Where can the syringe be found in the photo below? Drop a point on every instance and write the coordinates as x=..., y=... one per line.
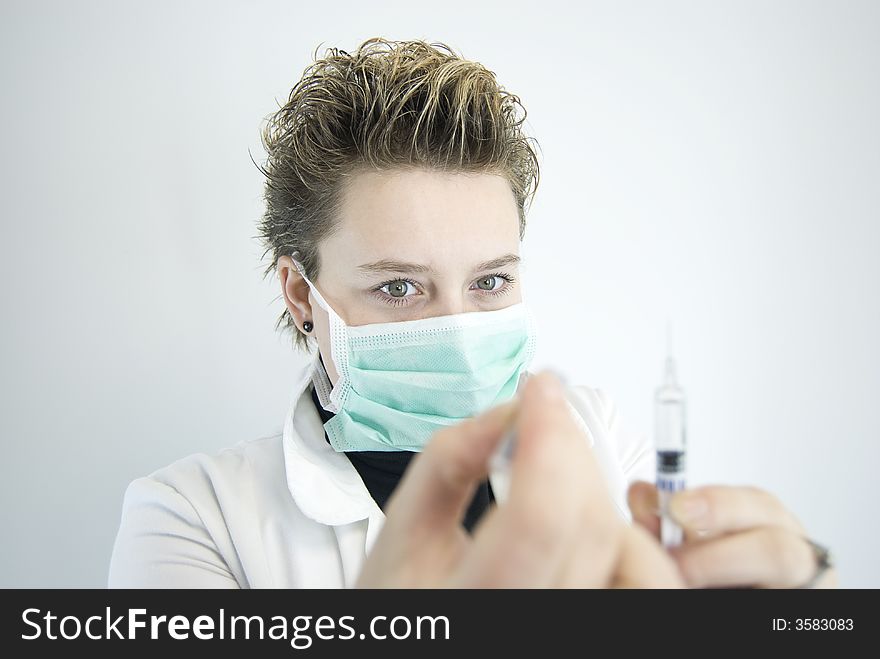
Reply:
x=669, y=435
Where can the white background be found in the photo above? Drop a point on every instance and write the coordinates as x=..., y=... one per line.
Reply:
x=715, y=163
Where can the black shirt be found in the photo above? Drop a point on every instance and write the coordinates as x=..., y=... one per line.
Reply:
x=382, y=470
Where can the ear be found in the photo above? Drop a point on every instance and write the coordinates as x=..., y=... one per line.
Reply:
x=295, y=290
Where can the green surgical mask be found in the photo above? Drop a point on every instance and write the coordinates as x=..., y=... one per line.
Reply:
x=401, y=382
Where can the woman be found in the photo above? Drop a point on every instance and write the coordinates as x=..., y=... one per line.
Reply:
x=397, y=186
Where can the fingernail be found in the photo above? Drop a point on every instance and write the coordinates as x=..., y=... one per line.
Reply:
x=503, y=456
x=549, y=385
x=688, y=508
x=559, y=375
x=644, y=500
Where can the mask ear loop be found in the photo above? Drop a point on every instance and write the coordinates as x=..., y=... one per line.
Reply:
x=532, y=340
x=338, y=345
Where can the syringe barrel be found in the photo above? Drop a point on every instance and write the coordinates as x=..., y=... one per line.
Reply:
x=670, y=443
x=669, y=418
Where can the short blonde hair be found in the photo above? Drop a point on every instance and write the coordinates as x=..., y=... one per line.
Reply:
x=389, y=105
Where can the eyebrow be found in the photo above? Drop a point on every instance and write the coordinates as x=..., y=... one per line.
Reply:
x=389, y=265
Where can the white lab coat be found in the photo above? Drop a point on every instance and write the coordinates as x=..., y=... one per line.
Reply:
x=290, y=512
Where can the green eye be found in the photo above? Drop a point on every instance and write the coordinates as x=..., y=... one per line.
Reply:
x=397, y=288
x=487, y=283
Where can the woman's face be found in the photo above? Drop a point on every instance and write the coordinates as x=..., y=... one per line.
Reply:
x=410, y=245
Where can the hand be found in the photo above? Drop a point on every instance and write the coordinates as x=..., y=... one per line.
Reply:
x=558, y=527
x=733, y=536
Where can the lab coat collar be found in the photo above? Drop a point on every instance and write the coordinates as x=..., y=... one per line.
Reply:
x=324, y=484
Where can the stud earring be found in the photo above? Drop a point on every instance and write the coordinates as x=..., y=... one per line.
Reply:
x=307, y=326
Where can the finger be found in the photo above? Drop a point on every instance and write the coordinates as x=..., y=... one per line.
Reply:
x=716, y=509
x=643, y=563
x=644, y=505
x=439, y=484
x=550, y=444
x=524, y=542
x=596, y=545
x=595, y=551
x=767, y=557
